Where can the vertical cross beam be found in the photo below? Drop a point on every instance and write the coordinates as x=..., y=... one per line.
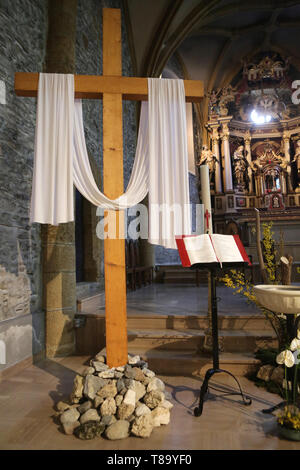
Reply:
x=114, y=248
x=112, y=87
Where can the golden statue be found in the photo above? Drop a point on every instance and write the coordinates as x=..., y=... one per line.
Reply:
x=208, y=158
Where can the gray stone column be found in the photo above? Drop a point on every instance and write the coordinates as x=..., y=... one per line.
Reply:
x=59, y=267
x=227, y=159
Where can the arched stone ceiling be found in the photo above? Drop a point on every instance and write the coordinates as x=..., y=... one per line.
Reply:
x=210, y=37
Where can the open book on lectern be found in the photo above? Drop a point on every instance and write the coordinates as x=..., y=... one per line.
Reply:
x=211, y=248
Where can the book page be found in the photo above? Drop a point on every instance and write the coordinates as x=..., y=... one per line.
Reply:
x=226, y=248
x=200, y=249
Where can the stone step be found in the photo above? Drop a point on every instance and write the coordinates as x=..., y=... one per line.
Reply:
x=193, y=340
x=164, y=339
x=178, y=273
x=185, y=363
x=182, y=322
x=90, y=304
x=183, y=277
x=171, y=267
x=189, y=281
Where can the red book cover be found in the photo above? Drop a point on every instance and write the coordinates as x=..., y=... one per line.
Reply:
x=211, y=248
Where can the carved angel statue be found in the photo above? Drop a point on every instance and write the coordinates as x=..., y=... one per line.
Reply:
x=213, y=101
x=297, y=156
x=240, y=166
x=208, y=158
x=227, y=96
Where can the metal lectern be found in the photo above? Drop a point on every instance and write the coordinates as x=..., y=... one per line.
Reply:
x=213, y=268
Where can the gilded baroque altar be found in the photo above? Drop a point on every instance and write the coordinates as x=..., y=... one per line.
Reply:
x=253, y=132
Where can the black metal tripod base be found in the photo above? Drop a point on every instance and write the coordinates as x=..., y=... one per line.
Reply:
x=198, y=411
x=280, y=405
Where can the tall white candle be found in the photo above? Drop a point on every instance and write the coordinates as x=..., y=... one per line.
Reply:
x=205, y=196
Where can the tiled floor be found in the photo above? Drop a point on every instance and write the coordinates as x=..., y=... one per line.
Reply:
x=27, y=406
x=172, y=299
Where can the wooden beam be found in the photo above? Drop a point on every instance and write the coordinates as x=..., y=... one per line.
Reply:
x=114, y=248
x=93, y=87
x=112, y=88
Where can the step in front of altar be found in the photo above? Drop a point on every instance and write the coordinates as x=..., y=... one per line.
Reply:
x=182, y=322
x=163, y=338
x=186, y=363
x=193, y=340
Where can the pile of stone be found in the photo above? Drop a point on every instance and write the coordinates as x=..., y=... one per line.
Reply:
x=269, y=373
x=115, y=402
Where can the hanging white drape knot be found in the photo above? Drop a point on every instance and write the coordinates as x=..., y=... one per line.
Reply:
x=160, y=166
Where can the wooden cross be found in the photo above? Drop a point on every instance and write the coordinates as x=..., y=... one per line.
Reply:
x=112, y=87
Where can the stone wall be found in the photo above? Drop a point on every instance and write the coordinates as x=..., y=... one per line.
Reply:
x=22, y=48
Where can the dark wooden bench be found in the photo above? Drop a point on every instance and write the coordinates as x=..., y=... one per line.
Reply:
x=137, y=275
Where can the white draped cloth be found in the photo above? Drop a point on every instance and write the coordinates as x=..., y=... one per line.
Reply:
x=160, y=167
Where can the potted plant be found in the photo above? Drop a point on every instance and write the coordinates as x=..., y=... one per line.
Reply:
x=289, y=419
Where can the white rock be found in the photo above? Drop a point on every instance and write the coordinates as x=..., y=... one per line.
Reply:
x=77, y=389
x=84, y=407
x=133, y=359
x=107, y=420
x=88, y=371
x=138, y=388
x=154, y=398
x=142, y=426
x=62, y=406
x=277, y=375
x=148, y=373
x=125, y=410
x=108, y=407
x=99, y=366
x=107, y=374
x=89, y=415
x=167, y=404
x=100, y=357
x=92, y=385
x=117, y=430
x=69, y=416
x=69, y=427
x=130, y=397
x=118, y=375
x=120, y=369
x=160, y=416
x=118, y=400
x=142, y=410
x=156, y=384
x=146, y=381
x=265, y=372
x=98, y=401
x=108, y=391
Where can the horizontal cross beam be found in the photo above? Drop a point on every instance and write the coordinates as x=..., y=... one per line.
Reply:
x=93, y=87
